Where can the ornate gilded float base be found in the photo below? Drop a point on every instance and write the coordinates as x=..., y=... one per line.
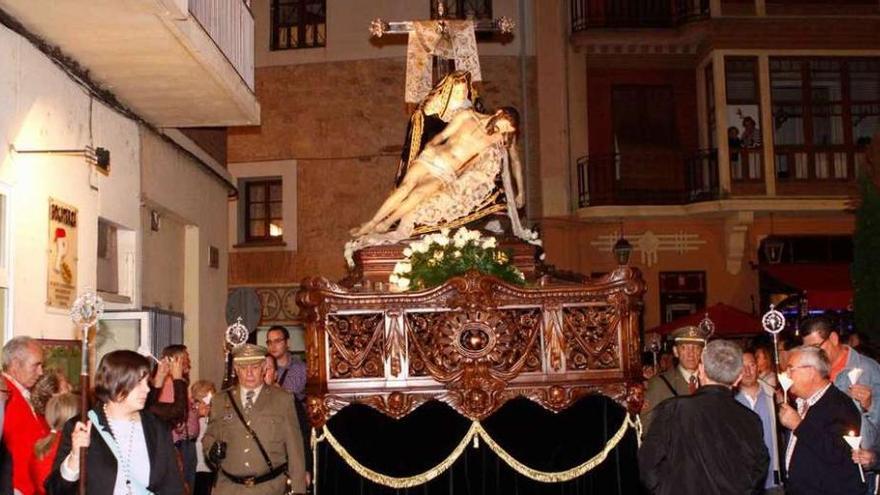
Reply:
x=474, y=343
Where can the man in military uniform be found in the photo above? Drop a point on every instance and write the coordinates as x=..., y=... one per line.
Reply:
x=253, y=435
x=679, y=380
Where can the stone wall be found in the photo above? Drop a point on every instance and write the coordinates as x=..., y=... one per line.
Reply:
x=344, y=123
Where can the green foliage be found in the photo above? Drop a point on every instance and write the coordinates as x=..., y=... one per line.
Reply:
x=866, y=261
x=436, y=258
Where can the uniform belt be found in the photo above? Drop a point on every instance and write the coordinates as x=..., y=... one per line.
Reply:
x=256, y=480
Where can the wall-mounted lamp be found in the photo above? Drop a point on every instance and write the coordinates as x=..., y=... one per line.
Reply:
x=99, y=157
x=773, y=246
x=622, y=249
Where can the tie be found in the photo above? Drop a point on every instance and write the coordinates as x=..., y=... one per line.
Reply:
x=692, y=384
x=248, y=400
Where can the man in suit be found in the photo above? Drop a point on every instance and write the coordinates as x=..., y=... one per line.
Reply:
x=679, y=380
x=706, y=442
x=253, y=434
x=818, y=459
x=820, y=332
x=22, y=426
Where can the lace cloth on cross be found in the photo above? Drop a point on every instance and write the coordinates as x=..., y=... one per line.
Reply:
x=426, y=41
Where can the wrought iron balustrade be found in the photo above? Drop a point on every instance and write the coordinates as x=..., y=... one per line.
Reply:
x=649, y=178
x=592, y=14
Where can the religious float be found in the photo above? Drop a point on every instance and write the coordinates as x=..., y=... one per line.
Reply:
x=451, y=358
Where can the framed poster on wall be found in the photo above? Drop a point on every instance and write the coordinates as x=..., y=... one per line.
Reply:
x=61, y=288
x=63, y=355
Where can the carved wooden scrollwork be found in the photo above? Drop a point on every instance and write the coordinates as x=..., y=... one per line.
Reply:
x=356, y=345
x=474, y=342
x=591, y=333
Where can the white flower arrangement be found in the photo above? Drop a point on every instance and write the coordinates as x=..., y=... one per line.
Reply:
x=434, y=258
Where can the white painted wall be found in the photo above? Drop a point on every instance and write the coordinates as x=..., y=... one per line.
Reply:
x=42, y=108
x=180, y=187
x=348, y=36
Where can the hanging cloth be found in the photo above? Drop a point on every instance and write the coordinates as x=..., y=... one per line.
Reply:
x=426, y=41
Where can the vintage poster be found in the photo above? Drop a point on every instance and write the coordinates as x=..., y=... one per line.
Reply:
x=62, y=254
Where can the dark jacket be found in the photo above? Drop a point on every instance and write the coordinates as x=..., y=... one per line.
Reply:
x=704, y=443
x=165, y=477
x=822, y=460
x=172, y=413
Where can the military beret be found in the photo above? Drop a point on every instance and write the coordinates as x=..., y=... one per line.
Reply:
x=689, y=334
x=248, y=353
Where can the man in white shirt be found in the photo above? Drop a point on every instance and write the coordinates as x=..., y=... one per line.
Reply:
x=758, y=396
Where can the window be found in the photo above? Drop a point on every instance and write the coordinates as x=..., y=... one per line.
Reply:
x=824, y=112
x=263, y=218
x=108, y=263
x=708, y=76
x=462, y=9
x=681, y=294
x=298, y=24
x=744, y=138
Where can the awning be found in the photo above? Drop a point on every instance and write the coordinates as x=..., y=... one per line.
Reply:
x=827, y=286
x=729, y=322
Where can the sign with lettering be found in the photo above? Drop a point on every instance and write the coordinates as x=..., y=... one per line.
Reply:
x=61, y=289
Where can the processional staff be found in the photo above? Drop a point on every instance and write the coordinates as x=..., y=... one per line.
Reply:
x=85, y=313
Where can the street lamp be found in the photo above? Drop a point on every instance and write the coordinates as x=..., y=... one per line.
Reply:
x=622, y=249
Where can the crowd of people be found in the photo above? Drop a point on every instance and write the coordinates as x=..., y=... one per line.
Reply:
x=719, y=420
x=716, y=417
x=150, y=428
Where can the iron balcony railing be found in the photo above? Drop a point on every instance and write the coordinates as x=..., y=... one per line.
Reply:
x=631, y=178
x=597, y=14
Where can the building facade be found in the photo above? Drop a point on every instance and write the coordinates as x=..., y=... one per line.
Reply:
x=710, y=134
x=333, y=125
x=113, y=170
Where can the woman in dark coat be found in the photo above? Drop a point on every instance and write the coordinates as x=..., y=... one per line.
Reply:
x=129, y=450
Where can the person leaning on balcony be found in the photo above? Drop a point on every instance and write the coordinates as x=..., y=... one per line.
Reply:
x=680, y=380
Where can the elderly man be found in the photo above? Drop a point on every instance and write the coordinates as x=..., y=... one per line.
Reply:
x=820, y=332
x=758, y=397
x=22, y=426
x=706, y=442
x=252, y=435
x=817, y=458
x=680, y=380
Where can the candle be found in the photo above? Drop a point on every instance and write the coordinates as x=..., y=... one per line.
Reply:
x=854, y=375
x=854, y=442
x=785, y=381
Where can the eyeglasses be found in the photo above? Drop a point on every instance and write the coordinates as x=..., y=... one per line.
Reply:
x=820, y=344
x=792, y=368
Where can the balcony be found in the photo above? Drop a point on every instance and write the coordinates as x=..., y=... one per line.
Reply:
x=599, y=14
x=647, y=178
x=671, y=178
x=176, y=63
